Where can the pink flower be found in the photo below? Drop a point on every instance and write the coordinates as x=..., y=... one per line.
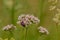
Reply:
x=25, y=20
x=9, y=27
x=43, y=30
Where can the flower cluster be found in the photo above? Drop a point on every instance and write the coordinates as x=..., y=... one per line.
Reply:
x=57, y=17
x=43, y=30
x=54, y=1
x=27, y=19
x=53, y=6
x=9, y=27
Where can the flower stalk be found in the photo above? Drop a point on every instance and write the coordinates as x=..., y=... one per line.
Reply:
x=25, y=20
x=12, y=12
x=26, y=33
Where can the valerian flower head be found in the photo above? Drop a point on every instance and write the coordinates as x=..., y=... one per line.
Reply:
x=9, y=27
x=43, y=30
x=21, y=17
x=27, y=19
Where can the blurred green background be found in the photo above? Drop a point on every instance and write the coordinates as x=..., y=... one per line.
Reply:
x=11, y=9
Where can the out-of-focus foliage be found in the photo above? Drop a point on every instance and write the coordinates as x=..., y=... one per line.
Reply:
x=45, y=10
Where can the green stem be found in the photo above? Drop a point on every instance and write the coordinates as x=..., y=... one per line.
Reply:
x=57, y=30
x=57, y=27
x=12, y=12
x=26, y=34
x=41, y=4
x=8, y=38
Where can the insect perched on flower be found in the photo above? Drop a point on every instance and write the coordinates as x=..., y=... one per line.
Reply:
x=27, y=19
x=9, y=27
x=43, y=30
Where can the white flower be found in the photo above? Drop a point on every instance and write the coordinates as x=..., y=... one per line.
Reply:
x=56, y=1
x=9, y=27
x=56, y=18
x=36, y=20
x=27, y=19
x=50, y=0
x=43, y=30
x=53, y=1
x=52, y=8
x=58, y=10
x=21, y=17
